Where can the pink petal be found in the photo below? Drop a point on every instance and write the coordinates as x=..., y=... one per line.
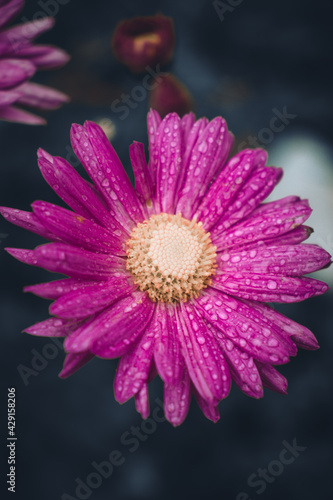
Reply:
x=43, y=56
x=167, y=353
x=263, y=226
x=303, y=337
x=192, y=137
x=169, y=165
x=142, y=401
x=9, y=10
x=55, y=289
x=281, y=260
x=77, y=230
x=187, y=122
x=40, y=96
x=74, y=362
x=13, y=39
x=12, y=114
x=143, y=179
x=244, y=371
x=15, y=71
x=76, y=192
x=26, y=220
x=98, y=157
x=153, y=122
x=177, y=400
x=65, y=259
x=89, y=300
x=256, y=189
x=293, y=237
x=210, y=410
x=52, y=327
x=269, y=287
x=123, y=322
x=228, y=184
x=202, y=165
x=134, y=367
x=244, y=327
x=205, y=363
x=272, y=379
x=8, y=97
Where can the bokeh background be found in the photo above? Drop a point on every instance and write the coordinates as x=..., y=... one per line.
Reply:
x=262, y=57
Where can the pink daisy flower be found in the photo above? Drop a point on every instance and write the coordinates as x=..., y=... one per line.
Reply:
x=173, y=276
x=20, y=58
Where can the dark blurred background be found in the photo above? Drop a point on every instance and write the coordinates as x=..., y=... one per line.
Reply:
x=262, y=57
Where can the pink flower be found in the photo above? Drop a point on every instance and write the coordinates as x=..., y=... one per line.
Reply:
x=144, y=41
x=20, y=58
x=173, y=276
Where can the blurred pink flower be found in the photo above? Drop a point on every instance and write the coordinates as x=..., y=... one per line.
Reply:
x=173, y=276
x=20, y=58
x=144, y=41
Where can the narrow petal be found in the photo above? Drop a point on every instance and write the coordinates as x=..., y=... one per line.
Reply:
x=15, y=71
x=52, y=327
x=54, y=289
x=98, y=157
x=293, y=237
x=281, y=260
x=143, y=179
x=26, y=220
x=153, y=122
x=303, y=337
x=8, y=97
x=77, y=230
x=89, y=300
x=65, y=259
x=210, y=410
x=244, y=327
x=192, y=137
x=269, y=287
x=122, y=322
x=13, y=39
x=43, y=56
x=177, y=400
x=204, y=360
x=13, y=114
x=9, y=10
x=272, y=379
x=228, y=184
x=134, y=367
x=74, y=362
x=167, y=353
x=187, y=122
x=40, y=96
x=243, y=369
x=169, y=166
x=76, y=192
x=142, y=401
x=255, y=190
x=264, y=226
x=201, y=168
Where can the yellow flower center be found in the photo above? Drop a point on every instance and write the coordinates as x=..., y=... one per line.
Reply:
x=171, y=258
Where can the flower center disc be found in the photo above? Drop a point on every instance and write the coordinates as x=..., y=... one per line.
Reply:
x=171, y=258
